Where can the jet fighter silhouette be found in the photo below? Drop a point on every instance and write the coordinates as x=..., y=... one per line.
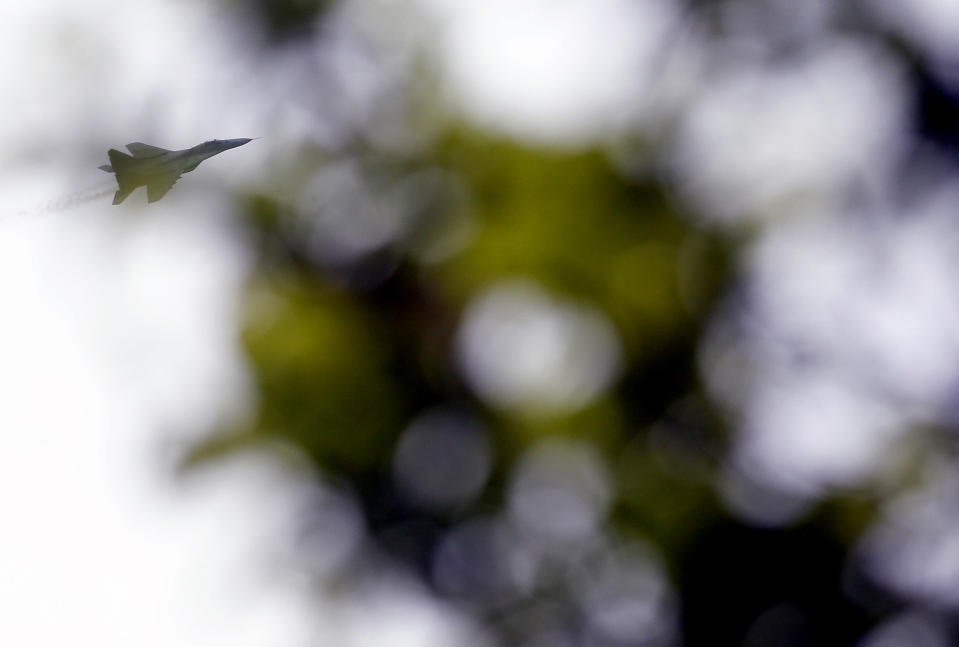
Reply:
x=157, y=168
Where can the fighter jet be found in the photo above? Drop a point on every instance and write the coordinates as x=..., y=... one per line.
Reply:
x=157, y=168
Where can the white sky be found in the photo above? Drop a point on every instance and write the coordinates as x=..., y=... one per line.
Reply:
x=764, y=140
x=932, y=25
x=560, y=73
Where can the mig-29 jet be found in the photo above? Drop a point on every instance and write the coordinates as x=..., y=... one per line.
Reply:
x=157, y=168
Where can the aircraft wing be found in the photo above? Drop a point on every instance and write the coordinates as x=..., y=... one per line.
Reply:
x=158, y=186
x=139, y=149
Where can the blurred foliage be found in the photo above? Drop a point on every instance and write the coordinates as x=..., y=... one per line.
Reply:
x=330, y=354
x=347, y=351
x=573, y=224
x=346, y=355
x=284, y=20
x=322, y=374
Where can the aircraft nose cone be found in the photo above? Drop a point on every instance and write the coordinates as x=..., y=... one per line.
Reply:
x=233, y=143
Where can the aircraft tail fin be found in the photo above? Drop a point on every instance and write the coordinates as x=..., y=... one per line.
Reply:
x=120, y=161
x=122, y=165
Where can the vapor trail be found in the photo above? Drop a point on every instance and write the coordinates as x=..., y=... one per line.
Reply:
x=73, y=199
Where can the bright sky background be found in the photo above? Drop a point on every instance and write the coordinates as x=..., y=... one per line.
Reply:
x=556, y=73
